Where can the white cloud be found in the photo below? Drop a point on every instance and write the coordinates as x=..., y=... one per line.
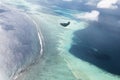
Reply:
x=67, y=0
x=92, y=2
x=92, y=16
x=107, y=4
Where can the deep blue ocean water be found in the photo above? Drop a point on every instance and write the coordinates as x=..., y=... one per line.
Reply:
x=99, y=44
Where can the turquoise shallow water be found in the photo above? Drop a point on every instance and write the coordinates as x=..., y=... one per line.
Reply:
x=56, y=62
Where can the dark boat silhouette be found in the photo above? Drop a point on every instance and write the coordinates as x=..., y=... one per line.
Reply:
x=65, y=24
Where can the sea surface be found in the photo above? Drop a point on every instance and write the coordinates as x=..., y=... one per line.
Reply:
x=34, y=46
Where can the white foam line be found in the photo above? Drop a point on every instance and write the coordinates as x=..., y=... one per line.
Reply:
x=40, y=36
x=41, y=51
x=42, y=43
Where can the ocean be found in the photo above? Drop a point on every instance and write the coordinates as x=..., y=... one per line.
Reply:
x=87, y=49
